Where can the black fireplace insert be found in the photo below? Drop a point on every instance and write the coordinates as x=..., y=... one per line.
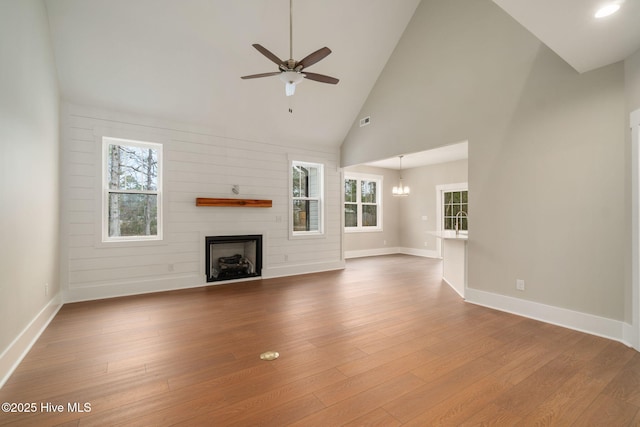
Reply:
x=233, y=257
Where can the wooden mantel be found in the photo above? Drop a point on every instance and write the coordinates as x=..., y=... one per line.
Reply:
x=248, y=203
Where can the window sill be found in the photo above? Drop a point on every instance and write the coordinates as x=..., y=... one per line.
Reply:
x=130, y=243
x=307, y=235
x=362, y=230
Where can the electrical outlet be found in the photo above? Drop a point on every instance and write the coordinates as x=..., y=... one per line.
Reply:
x=384, y=242
x=46, y=289
x=520, y=284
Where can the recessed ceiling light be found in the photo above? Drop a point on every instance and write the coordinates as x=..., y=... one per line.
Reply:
x=607, y=10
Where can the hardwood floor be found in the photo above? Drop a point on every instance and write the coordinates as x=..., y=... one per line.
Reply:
x=382, y=343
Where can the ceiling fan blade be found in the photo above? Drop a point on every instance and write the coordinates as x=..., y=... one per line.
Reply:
x=314, y=57
x=263, y=50
x=320, y=78
x=255, y=76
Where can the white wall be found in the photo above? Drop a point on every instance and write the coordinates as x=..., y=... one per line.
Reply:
x=632, y=81
x=197, y=163
x=29, y=169
x=546, y=151
x=415, y=232
x=632, y=92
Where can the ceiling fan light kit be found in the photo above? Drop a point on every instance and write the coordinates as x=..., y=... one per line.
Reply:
x=290, y=71
x=291, y=79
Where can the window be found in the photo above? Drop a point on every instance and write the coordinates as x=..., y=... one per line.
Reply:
x=362, y=203
x=132, y=190
x=456, y=210
x=306, y=195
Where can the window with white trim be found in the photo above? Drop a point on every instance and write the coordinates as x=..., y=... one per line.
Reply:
x=362, y=202
x=455, y=210
x=132, y=190
x=306, y=198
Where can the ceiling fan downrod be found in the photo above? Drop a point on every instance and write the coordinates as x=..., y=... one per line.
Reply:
x=290, y=33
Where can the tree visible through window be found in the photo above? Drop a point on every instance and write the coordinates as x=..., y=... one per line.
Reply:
x=362, y=202
x=132, y=190
x=456, y=210
x=307, y=197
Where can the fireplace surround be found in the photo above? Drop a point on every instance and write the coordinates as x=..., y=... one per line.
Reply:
x=233, y=257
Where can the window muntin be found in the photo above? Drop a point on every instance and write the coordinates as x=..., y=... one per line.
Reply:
x=350, y=202
x=455, y=205
x=306, y=196
x=132, y=188
x=362, y=203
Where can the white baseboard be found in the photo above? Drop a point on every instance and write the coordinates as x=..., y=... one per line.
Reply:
x=426, y=253
x=391, y=251
x=595, y=325
x=20, y=346
x=453, y=287
x=629, y=336
x=133, y=287
x=294, y=270
x=371, y=252
x=145, y=286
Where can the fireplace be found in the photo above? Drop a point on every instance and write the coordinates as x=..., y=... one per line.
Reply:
x=233, y=257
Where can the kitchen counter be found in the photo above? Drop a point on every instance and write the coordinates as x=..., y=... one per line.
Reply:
x=449, y=234
x=454, y=259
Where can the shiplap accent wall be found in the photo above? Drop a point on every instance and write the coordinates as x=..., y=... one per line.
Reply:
x=197, y=163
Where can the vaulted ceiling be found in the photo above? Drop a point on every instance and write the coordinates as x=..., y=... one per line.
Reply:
x=570, y=29
x=181, y=60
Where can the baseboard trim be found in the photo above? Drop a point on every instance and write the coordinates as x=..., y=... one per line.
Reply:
x=174, y=283
x=371, y=252
x=629, y=336
x=296, y=270
x=452, y=287
x=137, y=287
x=20, y=346
x=426, y=253
x=594, y=325
x=391, y=251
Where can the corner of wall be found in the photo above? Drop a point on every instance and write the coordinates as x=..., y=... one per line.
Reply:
x=20, y=346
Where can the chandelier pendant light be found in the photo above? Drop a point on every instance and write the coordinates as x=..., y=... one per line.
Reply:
x=401, y=189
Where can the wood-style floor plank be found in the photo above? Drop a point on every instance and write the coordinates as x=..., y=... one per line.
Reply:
x=382, y=343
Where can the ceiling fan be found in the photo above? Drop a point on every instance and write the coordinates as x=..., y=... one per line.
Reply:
x=291, y=71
